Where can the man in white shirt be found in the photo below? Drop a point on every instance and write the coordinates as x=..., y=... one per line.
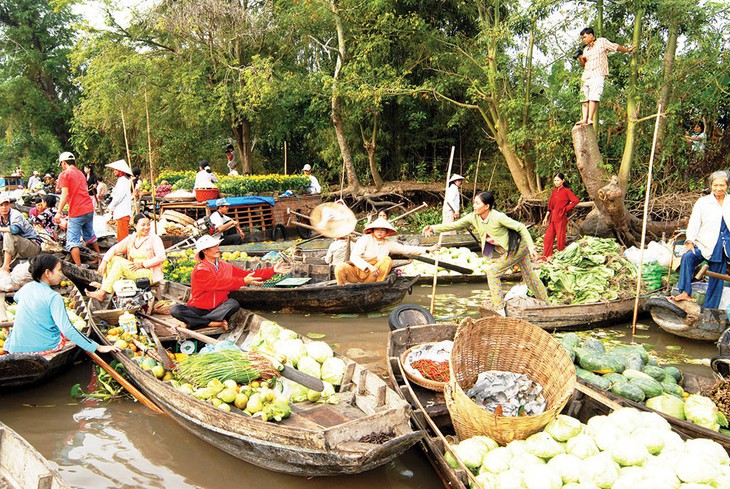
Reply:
x=452, y=201
x=314, y=186
x=34, y=180
x=230, y=232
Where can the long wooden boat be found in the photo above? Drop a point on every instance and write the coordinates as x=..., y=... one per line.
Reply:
x=23, y=467
x=576, y=316
x=316, y=440
x=24, y=369
x=690, y=321
x=429, y=407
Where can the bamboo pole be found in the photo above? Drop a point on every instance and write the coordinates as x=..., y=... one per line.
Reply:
x=149, y=154
x=285, y=162
x=126, y=140
x=441, y=237
x=476, y=175
x=645, y=219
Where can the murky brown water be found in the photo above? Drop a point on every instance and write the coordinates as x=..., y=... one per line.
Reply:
x=123, y=445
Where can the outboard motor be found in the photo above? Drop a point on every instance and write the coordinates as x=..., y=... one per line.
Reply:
x=130, y=294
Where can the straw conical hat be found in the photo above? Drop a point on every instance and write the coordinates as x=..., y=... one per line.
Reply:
x=121, y=166
x=333, y=220
x=380, y=223
x=455, y=177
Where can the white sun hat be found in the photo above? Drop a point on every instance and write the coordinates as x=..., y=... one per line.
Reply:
x=121, y=166
x=455, y=177
x=205, y=242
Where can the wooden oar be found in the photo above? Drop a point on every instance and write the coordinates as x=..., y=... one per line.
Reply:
x=161, y=351
x=442, y=264
x=290, y=373
x=136, y=393
x=704, y=271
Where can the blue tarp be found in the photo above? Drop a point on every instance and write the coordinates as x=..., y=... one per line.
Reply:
x=252, y=200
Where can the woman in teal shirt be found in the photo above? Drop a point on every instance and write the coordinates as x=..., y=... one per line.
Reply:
x=41, y=321
x=510, y=237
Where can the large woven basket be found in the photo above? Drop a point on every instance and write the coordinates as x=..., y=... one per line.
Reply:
x=203, y=194
x=511, y=345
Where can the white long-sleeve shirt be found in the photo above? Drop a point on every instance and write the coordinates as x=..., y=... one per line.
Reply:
x=452, y=197
x=121, y=204
x=203, y=179
x=703, y=228
x=314, y=186
x=368, y=247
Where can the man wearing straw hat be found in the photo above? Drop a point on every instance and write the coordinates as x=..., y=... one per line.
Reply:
x=370, y=260
x=211, y=282
x=452, y=201
x=121, y=205
x=75, y=193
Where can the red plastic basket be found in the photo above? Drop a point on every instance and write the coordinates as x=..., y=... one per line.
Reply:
x=203, y=194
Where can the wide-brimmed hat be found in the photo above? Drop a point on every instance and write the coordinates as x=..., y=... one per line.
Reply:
x=36, y=172
x=307, y=167
x=455, y=177
x=333, y=220
x=380, y=223
x=120, y=165
x=4, y=197
x=66, y=156
x=221, y=203
x=47, y=175
x=205, y=242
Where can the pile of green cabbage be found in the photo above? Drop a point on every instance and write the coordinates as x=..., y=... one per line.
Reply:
x=628, y=449
x=315, y=358
x=589, y=270
x=458, y=256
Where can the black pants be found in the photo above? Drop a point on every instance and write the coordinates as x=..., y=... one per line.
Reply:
x=231, y=237
x=197, y=318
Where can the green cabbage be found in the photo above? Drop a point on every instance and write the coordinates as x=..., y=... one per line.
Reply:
x=653, y=421
x=319, y=350
x=287, y=334
x=333, y=369
x=509, y=479
x=599, y=470
x=541, y=477
x=568, y=466
x=471, y=452
x=487, y=480
x=582, y=446
x=497, y=460
x=629, y=452
x=628, y=481
x=563, y=428
x=626, y=419
x=648, y=438
x=524, y=460
x=298, y=393
x=310, y=366
x=707, y=449
x=702, y=411
x=292, y=349
x=543, y=445
x=694, y=468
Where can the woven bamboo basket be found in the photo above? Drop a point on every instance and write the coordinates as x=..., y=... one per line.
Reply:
x=511, y=345
x=203, y=194
x=417, y=379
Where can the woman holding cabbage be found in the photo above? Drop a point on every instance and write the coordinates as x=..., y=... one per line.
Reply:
x=708, y=238
x=500, y=233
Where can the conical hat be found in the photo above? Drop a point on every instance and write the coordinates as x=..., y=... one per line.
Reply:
x=455, y=177
x=380, y=223
x=121, y=166
x=333, y=220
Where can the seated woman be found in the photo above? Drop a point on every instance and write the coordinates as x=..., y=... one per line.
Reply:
x=46, y=208
x=708, y=238
x=497, y=230
x=144, y=253
x=370, y=260
x=41, y=322
x=211, y=282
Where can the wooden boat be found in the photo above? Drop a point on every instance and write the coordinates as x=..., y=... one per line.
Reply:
x=23, y=369
x=429, y=407
x=687, y=319
x=576, y=316
x=316, y=440
x=23, y=467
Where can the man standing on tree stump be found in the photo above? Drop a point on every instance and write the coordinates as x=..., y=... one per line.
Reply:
x=594, y=60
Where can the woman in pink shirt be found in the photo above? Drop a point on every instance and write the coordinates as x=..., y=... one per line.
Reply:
x=562, y=200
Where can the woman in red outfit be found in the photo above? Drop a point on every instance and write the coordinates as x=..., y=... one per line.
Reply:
x=211, y=282
x=562, y=200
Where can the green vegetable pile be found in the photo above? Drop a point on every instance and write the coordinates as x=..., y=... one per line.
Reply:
x=628, y=449
x=589, y=270
x=240, y=185
x=628, y=371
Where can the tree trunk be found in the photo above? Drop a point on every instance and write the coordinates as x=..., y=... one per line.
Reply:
x=632, y=109
x=242, y=135
x=352, y=180
x=370, y=146
x=667, y=72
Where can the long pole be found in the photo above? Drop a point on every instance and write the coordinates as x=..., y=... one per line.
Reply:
x=149, y=154
x=476, y=175
x=646, y=218
x=285, y=173
x=126, y=140
x=441, y=237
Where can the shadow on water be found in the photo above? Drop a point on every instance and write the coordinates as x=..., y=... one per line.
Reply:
x=123, y=445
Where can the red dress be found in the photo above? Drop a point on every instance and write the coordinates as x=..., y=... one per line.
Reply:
x=562, y=200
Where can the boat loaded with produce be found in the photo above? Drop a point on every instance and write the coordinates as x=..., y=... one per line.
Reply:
x=233, y=396
x=25, y=369
x=594, y=443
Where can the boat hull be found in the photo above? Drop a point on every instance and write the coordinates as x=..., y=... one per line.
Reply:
x=699, y=323
x=23, y=467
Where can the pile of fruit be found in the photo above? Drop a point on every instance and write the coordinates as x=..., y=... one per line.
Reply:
x=179, y=264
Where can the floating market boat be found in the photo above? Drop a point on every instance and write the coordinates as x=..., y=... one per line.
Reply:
x=24, y=369
x=687, y=319
x=368, y=427
x=23, y=467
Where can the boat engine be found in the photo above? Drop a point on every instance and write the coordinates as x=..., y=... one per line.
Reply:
x=130, y=294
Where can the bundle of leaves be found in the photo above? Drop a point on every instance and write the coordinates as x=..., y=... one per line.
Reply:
x=589, y=270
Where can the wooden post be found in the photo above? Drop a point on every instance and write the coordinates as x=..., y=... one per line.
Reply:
x=149, y=153
x=646, y=217
x=441, y=236
x=285, y=171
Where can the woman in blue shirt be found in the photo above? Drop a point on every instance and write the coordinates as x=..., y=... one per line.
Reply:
x=41, y=321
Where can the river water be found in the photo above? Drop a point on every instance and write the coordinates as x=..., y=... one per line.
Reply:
x=123, y=445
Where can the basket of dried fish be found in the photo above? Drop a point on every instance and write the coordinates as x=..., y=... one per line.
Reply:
x=427, y=364
x=509, y=379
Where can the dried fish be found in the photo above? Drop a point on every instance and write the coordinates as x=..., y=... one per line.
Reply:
x=511, y=393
